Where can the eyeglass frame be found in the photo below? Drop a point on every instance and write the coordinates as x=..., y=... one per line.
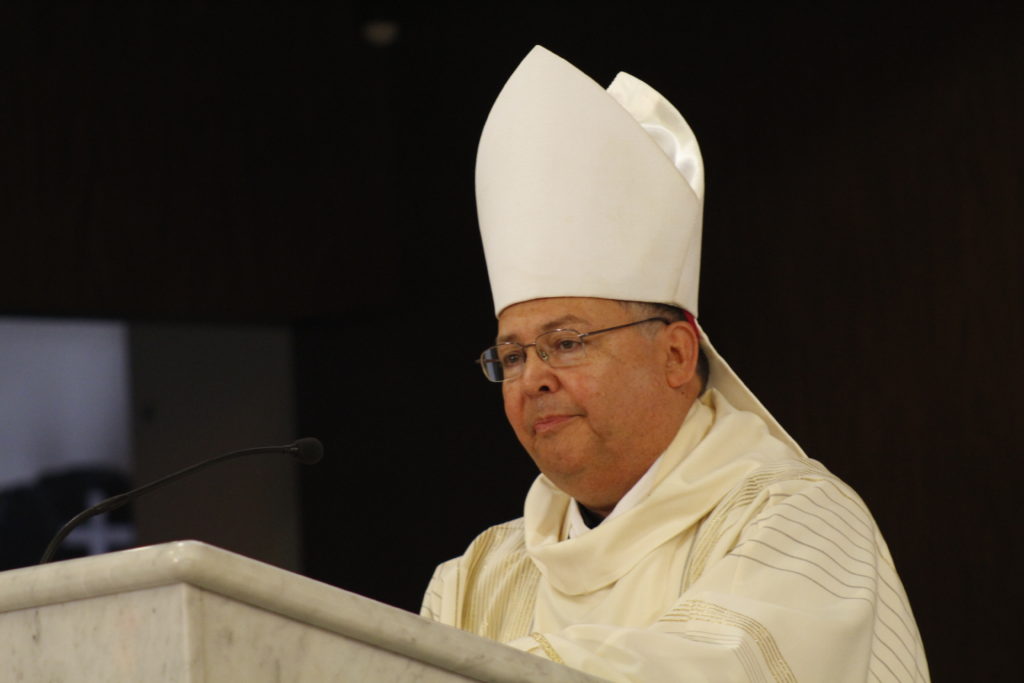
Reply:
x=482, y=362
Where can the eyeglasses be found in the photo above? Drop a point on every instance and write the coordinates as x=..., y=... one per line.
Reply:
x=557, y=348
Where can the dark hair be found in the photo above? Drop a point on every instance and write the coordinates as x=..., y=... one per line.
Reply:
x=672, y=314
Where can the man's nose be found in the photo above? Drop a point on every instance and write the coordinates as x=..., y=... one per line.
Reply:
x=538, y=376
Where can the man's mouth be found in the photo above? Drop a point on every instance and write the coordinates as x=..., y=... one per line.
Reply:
x=550, y=423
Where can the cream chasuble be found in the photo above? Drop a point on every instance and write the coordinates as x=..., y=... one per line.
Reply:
x=745, y=561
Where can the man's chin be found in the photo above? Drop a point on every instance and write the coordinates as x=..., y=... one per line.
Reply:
x=564, y=467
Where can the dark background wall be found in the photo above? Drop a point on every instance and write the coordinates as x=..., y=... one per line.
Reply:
x=862, y=261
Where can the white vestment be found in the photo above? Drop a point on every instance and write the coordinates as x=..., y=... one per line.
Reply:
x=745, y=561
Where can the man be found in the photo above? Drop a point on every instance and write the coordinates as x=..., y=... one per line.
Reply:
x=676, y=531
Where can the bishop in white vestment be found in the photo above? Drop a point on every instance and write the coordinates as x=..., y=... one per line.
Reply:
x=677, y=532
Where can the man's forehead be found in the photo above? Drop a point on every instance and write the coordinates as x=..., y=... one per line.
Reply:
x=526, y=320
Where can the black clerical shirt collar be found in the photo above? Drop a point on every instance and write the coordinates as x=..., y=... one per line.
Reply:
x=590, y=518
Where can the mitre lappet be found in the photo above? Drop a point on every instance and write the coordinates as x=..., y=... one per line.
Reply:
x=587, y=192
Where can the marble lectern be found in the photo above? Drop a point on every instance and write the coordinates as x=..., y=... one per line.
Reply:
x=193, y=613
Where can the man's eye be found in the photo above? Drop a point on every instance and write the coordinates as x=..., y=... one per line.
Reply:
x=567, y=345
x=511, y=359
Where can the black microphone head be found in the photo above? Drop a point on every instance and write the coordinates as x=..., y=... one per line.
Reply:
x=307, y=450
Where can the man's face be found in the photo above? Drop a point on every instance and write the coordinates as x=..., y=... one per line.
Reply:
x=593, y=428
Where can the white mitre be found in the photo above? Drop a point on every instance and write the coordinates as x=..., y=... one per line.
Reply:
x=588, y=192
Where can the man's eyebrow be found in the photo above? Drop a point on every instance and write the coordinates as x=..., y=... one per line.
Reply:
x=555, y=324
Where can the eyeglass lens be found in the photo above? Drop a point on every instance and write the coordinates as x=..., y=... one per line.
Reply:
x=558, y=348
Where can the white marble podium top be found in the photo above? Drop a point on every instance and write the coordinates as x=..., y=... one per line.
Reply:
x=276, y=590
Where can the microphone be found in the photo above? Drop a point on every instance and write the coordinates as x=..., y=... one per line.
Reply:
x=307, y=451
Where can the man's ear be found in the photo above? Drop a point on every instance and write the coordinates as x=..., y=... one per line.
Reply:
x=682, y=345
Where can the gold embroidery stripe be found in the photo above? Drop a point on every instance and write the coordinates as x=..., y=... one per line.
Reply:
x=548, y=649
x=698, y=610
x=500, y=586
x=711, y=530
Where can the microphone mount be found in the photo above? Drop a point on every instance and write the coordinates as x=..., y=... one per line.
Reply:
x=307, y=451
